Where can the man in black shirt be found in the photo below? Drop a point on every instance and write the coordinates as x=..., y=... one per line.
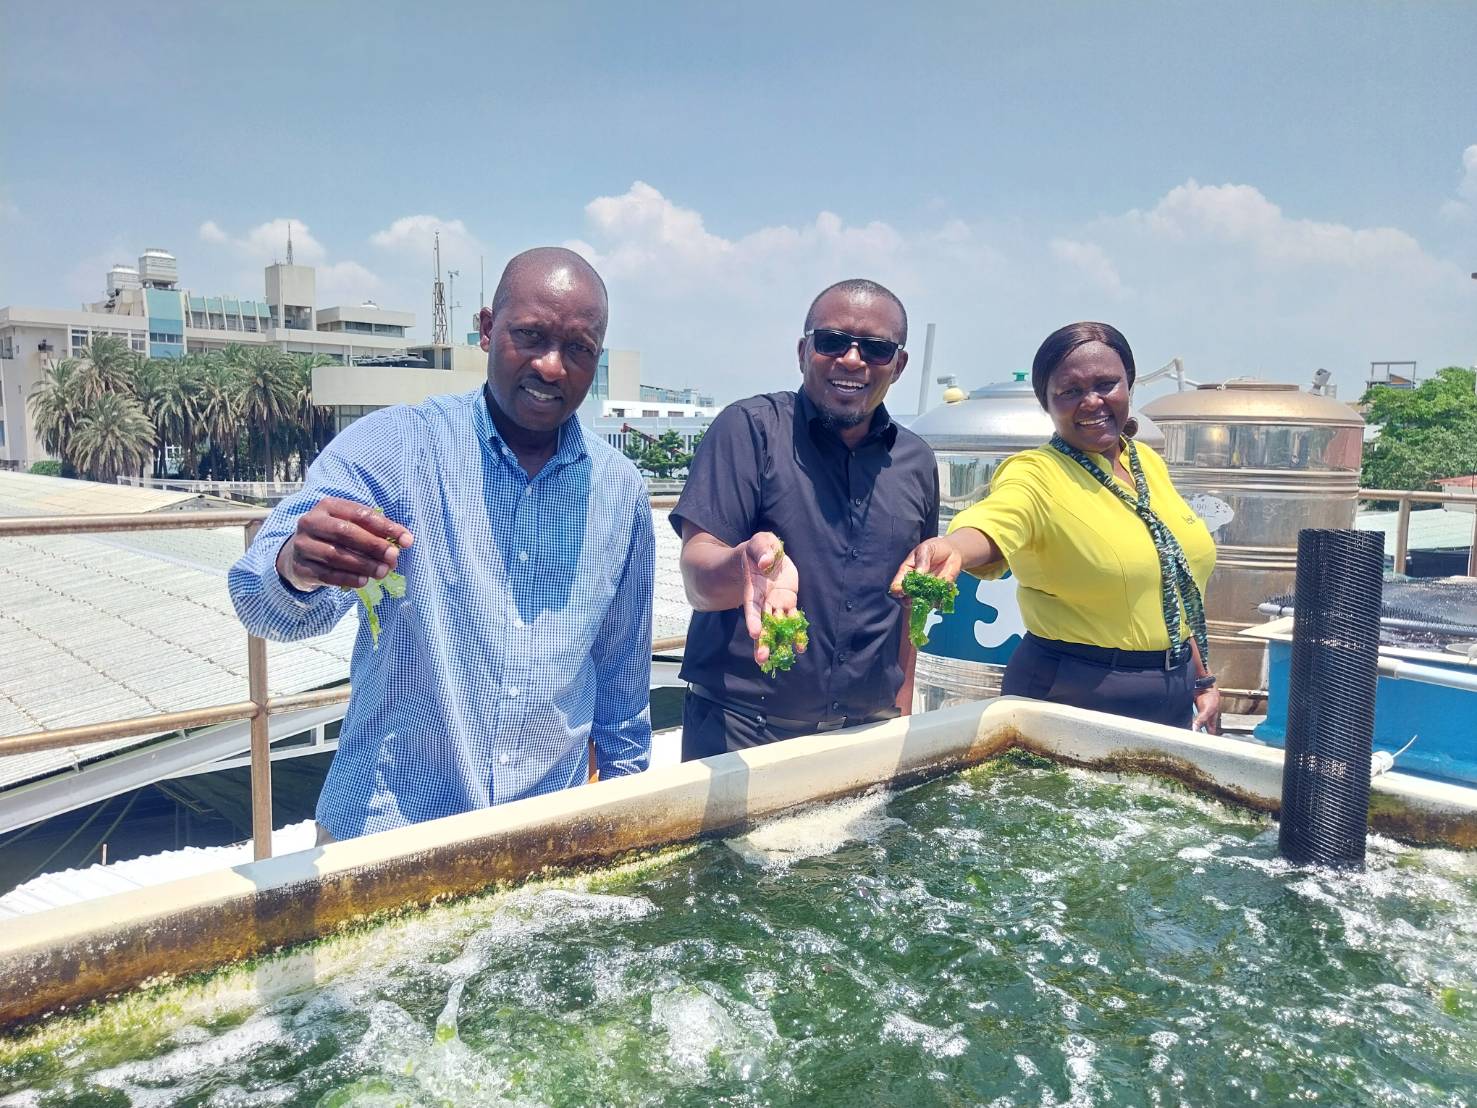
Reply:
x=828, y=474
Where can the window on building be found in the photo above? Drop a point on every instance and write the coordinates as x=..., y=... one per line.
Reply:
x=166, y=337
x=2, y=432
x=249, y=322
x=618, y=412
x=233, y=323
x=345, y=414
x=138, y=344
x=650, y=413
x=79, y=340
x=7, y=347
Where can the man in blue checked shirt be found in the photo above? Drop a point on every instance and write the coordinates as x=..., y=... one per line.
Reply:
x=527, y=548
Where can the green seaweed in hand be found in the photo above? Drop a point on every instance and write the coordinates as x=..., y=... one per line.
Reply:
x=372, y=593
x=928, y=592
x=784, y=635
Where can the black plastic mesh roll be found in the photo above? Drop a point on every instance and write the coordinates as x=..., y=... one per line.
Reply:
x=1330, y=712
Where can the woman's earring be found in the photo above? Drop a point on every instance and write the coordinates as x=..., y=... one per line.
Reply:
x=1130, y=427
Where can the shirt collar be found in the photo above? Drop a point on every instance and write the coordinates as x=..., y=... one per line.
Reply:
x=883, y=429
x=571, y=436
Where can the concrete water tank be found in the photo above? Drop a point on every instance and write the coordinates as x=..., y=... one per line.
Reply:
x=1258, y=461
x=966, y=653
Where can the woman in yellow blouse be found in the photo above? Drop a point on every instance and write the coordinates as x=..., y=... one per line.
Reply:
x=1111, y=562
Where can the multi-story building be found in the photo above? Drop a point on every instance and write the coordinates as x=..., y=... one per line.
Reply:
x=145, y=307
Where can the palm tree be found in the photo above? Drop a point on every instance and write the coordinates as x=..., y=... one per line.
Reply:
x=146, y=379
x=113, y=437
x=107, y=366
x=265, y=397
x=56, y=405
x=175, y=407
x=215, y=406
x=314, y=421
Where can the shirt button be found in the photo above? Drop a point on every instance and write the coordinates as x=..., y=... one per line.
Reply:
x=842, y=657
x=857, y=500
x=835, y=705
x=502, y=760
x=513, y=692
x=518, y=622
x=855, y=553
x=523, y=555
x=850, y=604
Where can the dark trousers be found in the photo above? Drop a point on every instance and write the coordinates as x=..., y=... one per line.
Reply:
x=1041, y=670
x=710, y=727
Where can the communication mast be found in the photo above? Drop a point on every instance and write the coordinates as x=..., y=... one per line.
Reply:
x=438, y=302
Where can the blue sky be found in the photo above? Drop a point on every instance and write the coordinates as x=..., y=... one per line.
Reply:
x=1258, y=188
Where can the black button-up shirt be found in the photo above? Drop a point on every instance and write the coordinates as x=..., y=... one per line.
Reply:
x=847, y=518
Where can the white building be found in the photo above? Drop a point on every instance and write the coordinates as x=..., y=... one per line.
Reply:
x=145, y=307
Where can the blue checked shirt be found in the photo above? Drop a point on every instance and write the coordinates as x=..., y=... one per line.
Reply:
x=524, y=632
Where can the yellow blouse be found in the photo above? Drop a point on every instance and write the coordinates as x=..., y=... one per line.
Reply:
x=1087, y=568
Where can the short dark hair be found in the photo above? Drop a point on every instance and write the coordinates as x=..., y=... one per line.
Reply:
x=1061, y=342
x=859, y=286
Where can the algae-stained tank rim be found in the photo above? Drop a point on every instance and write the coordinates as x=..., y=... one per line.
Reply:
x=1252, y=400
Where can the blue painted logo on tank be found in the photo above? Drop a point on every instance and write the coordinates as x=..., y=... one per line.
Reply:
x=985, y=625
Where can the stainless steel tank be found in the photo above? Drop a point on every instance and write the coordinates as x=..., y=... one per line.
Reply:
x=1258, y=461
x=966, y=653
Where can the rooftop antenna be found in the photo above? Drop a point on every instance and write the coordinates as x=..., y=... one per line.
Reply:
x=289, y=242
x=438, y=302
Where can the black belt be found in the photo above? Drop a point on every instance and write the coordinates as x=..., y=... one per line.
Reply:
x=763, y=718
x=1171, y=658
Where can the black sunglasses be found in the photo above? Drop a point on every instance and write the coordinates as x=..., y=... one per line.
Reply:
x=834, y=344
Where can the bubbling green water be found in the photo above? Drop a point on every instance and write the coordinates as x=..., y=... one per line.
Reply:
x=1017, y=934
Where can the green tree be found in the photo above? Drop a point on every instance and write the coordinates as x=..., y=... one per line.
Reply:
x=661, y=457
x=1425, y=433
x=57, y=403
x=313, y=423
x=106, y=365
x=176, y=412
x=215, y=407
x=113, y=437
x=265, y=396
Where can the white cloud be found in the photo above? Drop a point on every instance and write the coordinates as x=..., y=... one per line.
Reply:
x=1090, y=260
x=1239, y=215
x=1218, y=274
x=348, y=283
x=1460, y=209
x=1468, y=187
x=647, y=236
x=267, y=242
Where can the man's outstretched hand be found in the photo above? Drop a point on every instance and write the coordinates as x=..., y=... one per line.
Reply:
x=771, y=584
x=342, y=543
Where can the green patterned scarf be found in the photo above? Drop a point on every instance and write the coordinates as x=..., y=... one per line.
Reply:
x=1175, y=581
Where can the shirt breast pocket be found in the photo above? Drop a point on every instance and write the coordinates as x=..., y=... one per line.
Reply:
x=893, y=538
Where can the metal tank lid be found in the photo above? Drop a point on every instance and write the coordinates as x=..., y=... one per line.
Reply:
x=1252, y=400
x=1003, y=416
